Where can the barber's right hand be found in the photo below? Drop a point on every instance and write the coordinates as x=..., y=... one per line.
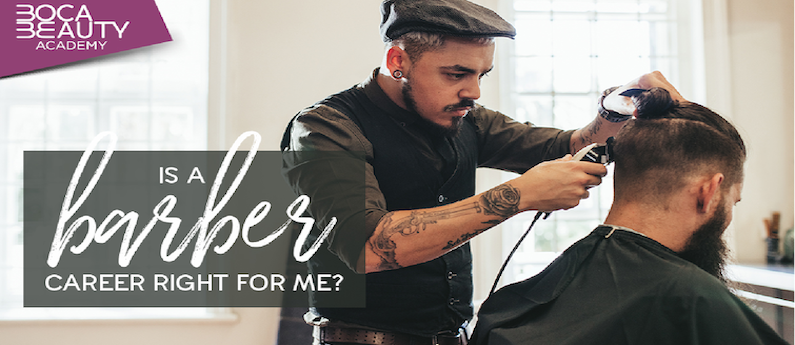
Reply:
x=558, y=184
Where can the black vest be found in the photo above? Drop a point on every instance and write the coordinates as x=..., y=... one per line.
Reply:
x=431, y=297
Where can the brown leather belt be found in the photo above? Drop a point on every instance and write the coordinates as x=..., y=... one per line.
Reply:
x=331, y=334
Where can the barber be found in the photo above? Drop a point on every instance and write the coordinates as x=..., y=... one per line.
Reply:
x=422, y=135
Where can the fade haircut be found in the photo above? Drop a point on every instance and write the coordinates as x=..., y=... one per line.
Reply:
x=417, y=43
x=669, y=142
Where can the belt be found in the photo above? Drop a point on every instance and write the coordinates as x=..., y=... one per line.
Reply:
x=333, y=334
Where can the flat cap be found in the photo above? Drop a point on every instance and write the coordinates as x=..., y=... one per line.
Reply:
x=451, y=17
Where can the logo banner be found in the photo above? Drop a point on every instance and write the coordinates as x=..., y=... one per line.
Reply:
x=41, y=34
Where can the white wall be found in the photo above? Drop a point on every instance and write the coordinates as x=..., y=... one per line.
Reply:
x=282, y=56
x=750, y=80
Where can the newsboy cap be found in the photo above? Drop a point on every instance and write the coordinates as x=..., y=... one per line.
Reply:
x=451, y=17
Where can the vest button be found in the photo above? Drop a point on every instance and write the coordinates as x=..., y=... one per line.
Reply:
x=453, y=301
x=442, y=198
x=451, y=275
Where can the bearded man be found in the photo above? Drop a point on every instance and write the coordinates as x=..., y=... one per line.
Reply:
x=653, y=273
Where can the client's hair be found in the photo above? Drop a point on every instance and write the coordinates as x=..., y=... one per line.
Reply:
x=670, y=141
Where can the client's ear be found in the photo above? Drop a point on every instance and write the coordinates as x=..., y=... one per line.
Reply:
x=708, y=193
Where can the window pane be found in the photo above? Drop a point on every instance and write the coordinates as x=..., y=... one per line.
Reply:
x=130, y=123
x=534, y=74
x=124, y=80
x=661, y=39
x=571, y=231
x=27, y=121
x=566, y=53
x=172, y=123
x=571, y=38
x=572, y=75
x=654, y=6
x=634, y=38
x=574, y=111
x=70, y=122
x=617, y=71
x=79, y=80
x=536, y=110
x=545, y=236
x=152, y=98
x=572, y=5
x=533, y=5
x=532, y=35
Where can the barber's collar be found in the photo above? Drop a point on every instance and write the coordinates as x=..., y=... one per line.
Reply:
x=380, y=98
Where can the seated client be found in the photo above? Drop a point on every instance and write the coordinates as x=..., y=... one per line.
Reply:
x=653, y=273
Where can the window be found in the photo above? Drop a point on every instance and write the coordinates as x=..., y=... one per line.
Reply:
x=153, y=98
x=565, y=53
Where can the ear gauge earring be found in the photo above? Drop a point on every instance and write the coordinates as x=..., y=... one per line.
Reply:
x=397, y=74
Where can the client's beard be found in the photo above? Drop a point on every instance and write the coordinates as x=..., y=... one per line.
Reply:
x=447, y=131
x=706, y=248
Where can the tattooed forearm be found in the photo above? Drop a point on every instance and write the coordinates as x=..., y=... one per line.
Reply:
x=589, y=132
x=468, y=236
x=385, y=247
x=594, y=128
x=414, y=223
x=585, y=136
x=502, y=201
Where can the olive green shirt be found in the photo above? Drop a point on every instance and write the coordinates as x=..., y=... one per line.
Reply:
x=503, y=142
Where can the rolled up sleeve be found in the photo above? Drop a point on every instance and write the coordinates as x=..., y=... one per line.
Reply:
x=327, y=158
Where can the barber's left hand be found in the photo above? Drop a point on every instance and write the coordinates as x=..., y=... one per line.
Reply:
x=624, y=105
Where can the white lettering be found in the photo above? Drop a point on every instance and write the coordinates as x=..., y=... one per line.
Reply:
x=160, y=213
x=204, y=239
x=47, y=282
x=303, y=202
x=29, y=29
x=102, y=25
x=160, y=282
x=121, y=30
x=67, y=209
x=66, y=30
x=42, y=29
x=83, y=13
x=28, y=12
x=61, y=17
x=308, y=283
x=80, y=32
x=48, y=7
x=195, y=175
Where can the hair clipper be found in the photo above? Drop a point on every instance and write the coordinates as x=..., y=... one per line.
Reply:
x=596, y=153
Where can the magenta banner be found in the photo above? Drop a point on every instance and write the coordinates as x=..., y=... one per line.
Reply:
x=41, y=34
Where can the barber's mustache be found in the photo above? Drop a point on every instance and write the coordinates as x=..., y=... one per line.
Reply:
x=464, y=103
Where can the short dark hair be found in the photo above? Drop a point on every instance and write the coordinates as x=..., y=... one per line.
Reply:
x=416, y=43
x=670, y=141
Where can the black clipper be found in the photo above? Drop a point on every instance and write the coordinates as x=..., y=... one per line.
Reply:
x=597, y=153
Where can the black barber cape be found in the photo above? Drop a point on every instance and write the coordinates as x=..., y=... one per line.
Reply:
x=619, y=287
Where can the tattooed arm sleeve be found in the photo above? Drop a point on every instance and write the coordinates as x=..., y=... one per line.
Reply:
x=410, y=237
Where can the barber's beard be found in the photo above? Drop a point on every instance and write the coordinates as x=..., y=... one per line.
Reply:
x=706, y=247
x=447, y=131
